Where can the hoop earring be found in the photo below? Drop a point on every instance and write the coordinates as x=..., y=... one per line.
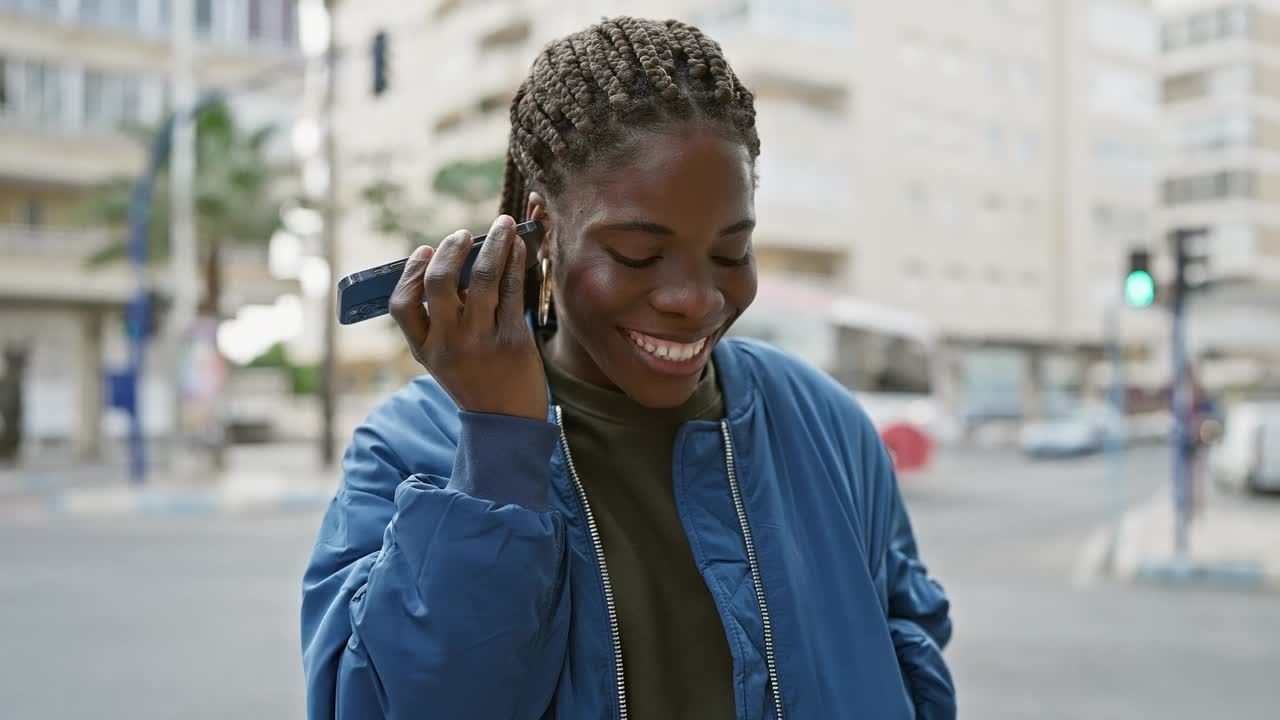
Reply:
x=544, y=294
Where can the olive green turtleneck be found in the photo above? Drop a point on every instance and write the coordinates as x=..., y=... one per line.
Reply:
x=675, y=653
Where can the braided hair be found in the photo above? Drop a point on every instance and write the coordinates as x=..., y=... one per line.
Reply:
x=587, y=93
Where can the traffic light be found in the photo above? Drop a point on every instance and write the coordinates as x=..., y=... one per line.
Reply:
x=1139, y=287
x=1191, y=260
x=380, y=62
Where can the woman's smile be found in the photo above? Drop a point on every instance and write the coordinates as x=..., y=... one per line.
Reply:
x=670, y=356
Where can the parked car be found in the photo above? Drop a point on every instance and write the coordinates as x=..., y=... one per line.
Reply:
x=1248, y=455
x=1082, y=431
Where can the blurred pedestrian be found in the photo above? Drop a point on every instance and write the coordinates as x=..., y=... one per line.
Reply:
x=620, y=513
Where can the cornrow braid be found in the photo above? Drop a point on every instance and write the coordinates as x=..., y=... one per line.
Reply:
x=587, y=92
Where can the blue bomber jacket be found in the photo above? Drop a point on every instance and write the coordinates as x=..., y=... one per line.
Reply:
x=458, y=574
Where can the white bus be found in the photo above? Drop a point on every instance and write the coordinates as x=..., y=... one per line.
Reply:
x=885, y=356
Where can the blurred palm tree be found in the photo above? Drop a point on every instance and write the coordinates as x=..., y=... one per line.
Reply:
x=234, y=200
x=466, y=183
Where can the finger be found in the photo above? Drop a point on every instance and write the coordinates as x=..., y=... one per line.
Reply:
x=441, y=280
x=406, y=301
x=511, y=292
x=487, y=272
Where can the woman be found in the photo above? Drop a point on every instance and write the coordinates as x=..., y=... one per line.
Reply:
x=620, y=514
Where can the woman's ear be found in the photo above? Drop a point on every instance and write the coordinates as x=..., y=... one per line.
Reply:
x=536, y=209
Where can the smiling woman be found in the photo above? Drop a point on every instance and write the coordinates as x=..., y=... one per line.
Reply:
x=621, y=513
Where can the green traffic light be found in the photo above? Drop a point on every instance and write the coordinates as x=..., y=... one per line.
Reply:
x=1139, y=289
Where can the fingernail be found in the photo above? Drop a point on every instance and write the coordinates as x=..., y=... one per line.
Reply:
x=421, y=252
x=504, y=220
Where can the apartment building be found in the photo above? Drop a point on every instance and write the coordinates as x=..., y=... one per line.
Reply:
x=73, y=75
x=1221, y=105
x=985, y=163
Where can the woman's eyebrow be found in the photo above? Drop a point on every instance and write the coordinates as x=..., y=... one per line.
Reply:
x=640, y=226
x=653, y=228
x=740, y=226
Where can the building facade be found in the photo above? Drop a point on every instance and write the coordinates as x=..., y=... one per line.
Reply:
x=74, y=75
x=1221, y=103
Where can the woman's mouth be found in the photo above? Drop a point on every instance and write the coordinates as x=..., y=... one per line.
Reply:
x=670, y=357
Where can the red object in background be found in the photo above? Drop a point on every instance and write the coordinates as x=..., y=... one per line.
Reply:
x=909, y=447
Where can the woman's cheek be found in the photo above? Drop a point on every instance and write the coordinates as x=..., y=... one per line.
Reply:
x=597, y=290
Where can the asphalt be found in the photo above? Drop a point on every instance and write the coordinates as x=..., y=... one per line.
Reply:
x=195, y=615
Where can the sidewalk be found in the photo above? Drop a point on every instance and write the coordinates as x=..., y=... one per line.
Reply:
x=276, y=477
x=1233, y=544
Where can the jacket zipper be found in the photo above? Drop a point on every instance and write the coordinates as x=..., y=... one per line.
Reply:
x=770, y=665
x=598, y=547
x=604, y=571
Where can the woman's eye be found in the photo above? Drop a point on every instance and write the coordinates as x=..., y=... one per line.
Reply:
x=734, y=262
x=634, y=262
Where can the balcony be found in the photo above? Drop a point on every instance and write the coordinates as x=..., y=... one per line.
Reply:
x=772, y=45
x=47, y=266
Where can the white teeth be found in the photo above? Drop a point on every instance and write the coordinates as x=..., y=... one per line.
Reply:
x=677, y=352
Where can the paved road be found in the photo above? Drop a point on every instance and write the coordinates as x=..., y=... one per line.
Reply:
x=1004, y=536
x=197, y=617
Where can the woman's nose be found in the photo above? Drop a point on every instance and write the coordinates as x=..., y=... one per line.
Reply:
x=695, y=298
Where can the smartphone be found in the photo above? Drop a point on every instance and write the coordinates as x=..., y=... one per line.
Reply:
x=366, y=294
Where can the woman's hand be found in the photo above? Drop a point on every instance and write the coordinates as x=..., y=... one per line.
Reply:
x=476, y=344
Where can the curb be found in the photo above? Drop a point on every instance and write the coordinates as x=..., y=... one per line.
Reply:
x=1123, y=554
x=134, y=502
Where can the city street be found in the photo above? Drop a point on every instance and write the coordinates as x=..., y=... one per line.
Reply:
x=196, y=617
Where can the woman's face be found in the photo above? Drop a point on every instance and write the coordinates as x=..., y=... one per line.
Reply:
x=652, y=262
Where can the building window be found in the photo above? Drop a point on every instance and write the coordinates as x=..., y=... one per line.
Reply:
x=911, y=48
x=951, y=60
x=257, y=20
x=33, y=93
x=1209, y=186
x=995, y=140
x=126, y=14
x=1200, y=28
x=1123, y=92
x=1233, y=21
x=1111, y=222
x=289, y=35
x=164, y=16
x=998, y=72
x=1216, y=133
x=1031, y=147
x=204, y=17
x=1233, y=81
x=49, y=8
x=272, y=21
x=93, y=11
x=1123, y=159
x=1030, y=72
x=1122, y=29
x=111, y=101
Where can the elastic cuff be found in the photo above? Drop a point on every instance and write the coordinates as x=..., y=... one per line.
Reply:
x=504, y=458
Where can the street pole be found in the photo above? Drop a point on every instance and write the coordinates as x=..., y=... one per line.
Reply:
x=184, y=263
x=328, y=450
x=1114, y=468
x=1181, y=400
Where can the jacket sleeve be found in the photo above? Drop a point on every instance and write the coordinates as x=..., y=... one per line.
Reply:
x=438, y=591
x=916, y=606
